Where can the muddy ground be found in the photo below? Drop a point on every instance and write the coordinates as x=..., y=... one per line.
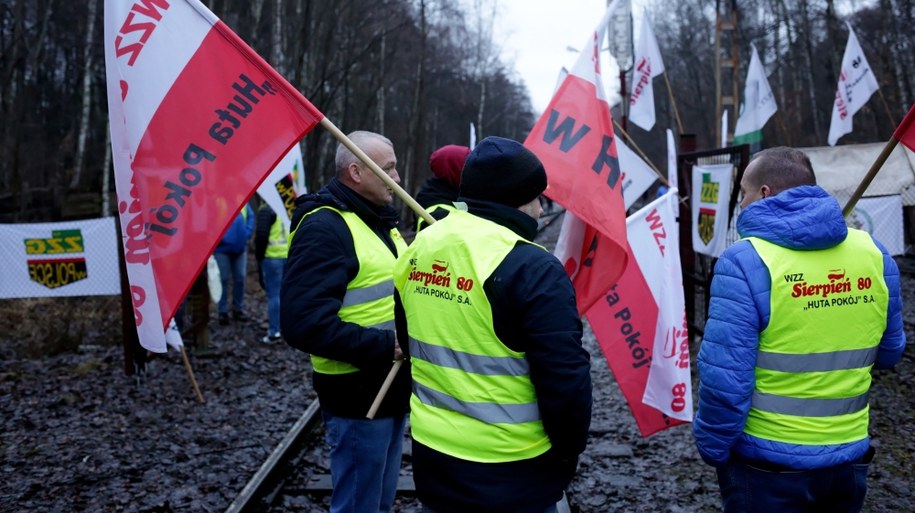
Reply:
x=79, y=435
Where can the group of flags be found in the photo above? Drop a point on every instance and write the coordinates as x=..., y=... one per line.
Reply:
x=199, y=122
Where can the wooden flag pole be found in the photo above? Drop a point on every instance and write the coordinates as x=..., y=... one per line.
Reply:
x=635, y=146
x=190, y=372
x=869, y=177
x=406, y=198
x=673, y=103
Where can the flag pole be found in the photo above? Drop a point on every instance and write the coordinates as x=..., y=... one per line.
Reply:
x=635, y=146
x=406, y=198
x=869, y=177
x=190, y=372
x=673, y=103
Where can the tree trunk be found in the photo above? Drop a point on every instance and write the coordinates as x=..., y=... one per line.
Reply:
x=808, y=70
x=86, y=97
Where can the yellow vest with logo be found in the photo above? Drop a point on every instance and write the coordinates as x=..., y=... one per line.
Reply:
x=369, y=299
x=441, y=206
x=472, y=395
x=278, y=240
x=828, y=314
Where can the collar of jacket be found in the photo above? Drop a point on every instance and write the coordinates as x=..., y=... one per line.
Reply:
x=511, y=218
x=339, y=196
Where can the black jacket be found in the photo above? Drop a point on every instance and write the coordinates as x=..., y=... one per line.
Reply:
x=534, y=311
x=322, y=261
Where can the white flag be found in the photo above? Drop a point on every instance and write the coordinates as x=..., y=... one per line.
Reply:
x=672, y=178
x=856, y=85
x=724, y=129
x=669, y=386
x=280, y=189
x=648, y=64
x=637, y=175
x=758, y=103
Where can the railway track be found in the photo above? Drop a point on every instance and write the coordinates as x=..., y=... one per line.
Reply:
x=287, y=481
x=288, y=476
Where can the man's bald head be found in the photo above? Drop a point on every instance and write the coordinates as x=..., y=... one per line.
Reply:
x=775, y=170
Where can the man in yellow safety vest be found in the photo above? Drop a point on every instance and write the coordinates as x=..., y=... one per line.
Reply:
x=501, y=399
x=801, y=308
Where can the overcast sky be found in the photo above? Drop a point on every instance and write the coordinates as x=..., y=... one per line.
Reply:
x=535, y=34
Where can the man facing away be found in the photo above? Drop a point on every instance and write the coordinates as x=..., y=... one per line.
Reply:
x=337, y=304
x=501, y=399
x=801, y=309
x=231, y=256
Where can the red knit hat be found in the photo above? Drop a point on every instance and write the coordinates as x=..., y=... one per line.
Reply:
x=447, y=163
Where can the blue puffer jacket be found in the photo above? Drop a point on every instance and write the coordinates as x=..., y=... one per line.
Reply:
x=235, y=240
x=802, y=218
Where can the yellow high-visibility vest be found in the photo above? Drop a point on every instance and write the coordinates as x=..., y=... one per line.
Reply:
x=472, y=395
x=828, y=314
x=369, y=299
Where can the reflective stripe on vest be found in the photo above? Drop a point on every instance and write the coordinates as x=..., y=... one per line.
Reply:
x=369, y=298
x=278, y=240
x=465, y=380
x=827, y=316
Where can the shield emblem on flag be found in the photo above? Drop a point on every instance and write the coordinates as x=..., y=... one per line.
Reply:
x=706, y=224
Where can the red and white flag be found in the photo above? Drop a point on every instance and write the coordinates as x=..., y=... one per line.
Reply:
x=575, y=141
x=198, y=120
x=857, y=84
x=640, y=323
x=648, y=64
x=905, y=132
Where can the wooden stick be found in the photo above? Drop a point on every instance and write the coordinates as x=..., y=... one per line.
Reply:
x=190, y=372
x=384, y=389
x=635, y=146
x=871, y=173
x=402, y=194
x=673, y=103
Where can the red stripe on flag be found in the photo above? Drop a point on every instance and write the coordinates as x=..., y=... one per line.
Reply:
x=223, y=126
x=905, y=132
x=624, y=323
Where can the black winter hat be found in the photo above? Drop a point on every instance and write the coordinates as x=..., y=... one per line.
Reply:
x=502, y=171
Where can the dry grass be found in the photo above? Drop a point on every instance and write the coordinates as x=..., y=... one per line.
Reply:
x=36, y=327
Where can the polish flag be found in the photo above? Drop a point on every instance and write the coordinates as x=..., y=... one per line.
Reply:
x=198, y=120
x=575, y=141
x=640, y=323
x=582, y=260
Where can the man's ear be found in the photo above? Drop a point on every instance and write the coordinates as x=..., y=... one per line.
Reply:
x=765, y=191
x=355, y=173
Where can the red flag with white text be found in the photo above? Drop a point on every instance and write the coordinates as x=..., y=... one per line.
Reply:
x=640, y=323
x=198, y=120
x=575, y=141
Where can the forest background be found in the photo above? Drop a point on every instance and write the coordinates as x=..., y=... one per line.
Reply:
x=420, y=72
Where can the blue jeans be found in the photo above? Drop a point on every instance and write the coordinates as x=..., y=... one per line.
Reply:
x=364, y=462
x=747, y=488
x=273, y=278
x=237, y=266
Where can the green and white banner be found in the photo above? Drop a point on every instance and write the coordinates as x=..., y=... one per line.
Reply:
x=71, y=258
